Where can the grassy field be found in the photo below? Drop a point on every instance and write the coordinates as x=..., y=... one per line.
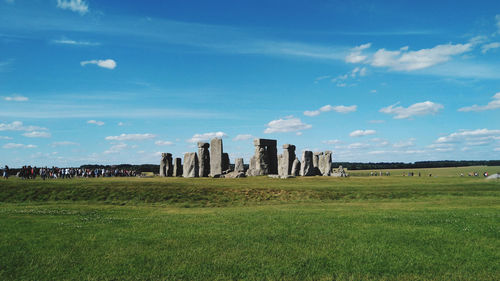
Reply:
x=359, y=228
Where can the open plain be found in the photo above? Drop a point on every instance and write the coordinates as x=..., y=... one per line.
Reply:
x=443, y=227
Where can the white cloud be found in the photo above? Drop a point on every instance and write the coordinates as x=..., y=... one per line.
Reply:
x=163, y=143
x=358, y=145
x=417, y=109
x=98, y=123
x=37, y=134
x=18, y=145
x=405, y=60
x=485, y=48
x=64, y=143
x=65, y=41
x=131, y=137
x=16, y=98
x=373, y=91
x=481, y=134
x=288, y=124
x=376, y=121
x=206, y=136
x=116, y=148
x=356, y=72
x=243, y=137
x=494, y=104
x=5, y=138
x=120, y=124
x=331, y=142
x=107, y=63
x=403, y=144
x=78, y=6
x=18, y=126
x=355, y=56
x=360, y=133
x=326, y=108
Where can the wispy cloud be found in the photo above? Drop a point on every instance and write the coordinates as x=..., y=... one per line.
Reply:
x=163, y=143
x=355, y=56
x=243, y=137
x=417, y=109
x=478, y=134
x=37, y=134
x=96, y=122
x=490, y=46
x=18, y=145
x=78, y=6
x=107, y=63
x=19, y=126
x=285, y=125
x=338, y=108
x=494, y=104
x=360, y=133
x=64, y=143
x=65, y=41
x=206, y=136
x=131, y=137
x=16, y=98
x=117, y=148
x=5, y=138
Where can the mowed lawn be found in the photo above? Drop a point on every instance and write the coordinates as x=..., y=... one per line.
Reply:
x=359, y=228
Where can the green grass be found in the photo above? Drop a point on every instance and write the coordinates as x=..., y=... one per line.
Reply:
x=377, y=228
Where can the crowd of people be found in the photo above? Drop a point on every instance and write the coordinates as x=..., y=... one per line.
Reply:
x=29, y=172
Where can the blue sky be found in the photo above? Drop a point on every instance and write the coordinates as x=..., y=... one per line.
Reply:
x=122, y=81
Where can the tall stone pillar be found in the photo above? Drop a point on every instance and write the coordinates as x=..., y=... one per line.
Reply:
x=166, y=168
x=325, y=163
x=306, y=167
x=316, y=156
x=203, y=159
x=238, y=165
x=191, y=166
x=265, y=159
x=216, y=157
x=177, y=167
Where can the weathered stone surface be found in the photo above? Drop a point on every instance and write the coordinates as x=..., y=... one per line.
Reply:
x=216, y=157
x=166, y=167
x=177, y=167
x=191, y=165
x=203, y=159
x=340, y=172
x=296, y=167
x=316, y=156
x=265, y=159
x=239, y=166
x=225, y=163
x=306, y=167
x=285, y=160
x=234, y=175
x=325, y=163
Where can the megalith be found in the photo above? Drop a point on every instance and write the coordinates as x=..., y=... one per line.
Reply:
x=325, y=163
x=225, y=163
x=203, y=159
x=296, y=167
x=287, y=158
x=166, y=167
x=191, y=166
x=177, y=167
x=239, y=165
x=316, y=156
x=265, y=159
x=306, y=167
x=216, y=157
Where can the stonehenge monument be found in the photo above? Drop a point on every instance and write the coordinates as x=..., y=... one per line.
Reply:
x=166, y=167
x=211, y=161
x=265, y=159
x=216, y=166
x=203, y=159
x=177, y=167
x=191, y=165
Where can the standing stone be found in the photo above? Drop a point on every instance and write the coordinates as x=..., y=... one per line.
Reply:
x=191, y=165
x=238, y=165
x=177, y=167
x=166, y=168
x=316, y=156
x=288, y=157
x=265, y=159
x=163, y=164
x=306, y=167
x=296, y=167
x=203, y=159
x=225, y=163
x=216, y=157
x=325, y=163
